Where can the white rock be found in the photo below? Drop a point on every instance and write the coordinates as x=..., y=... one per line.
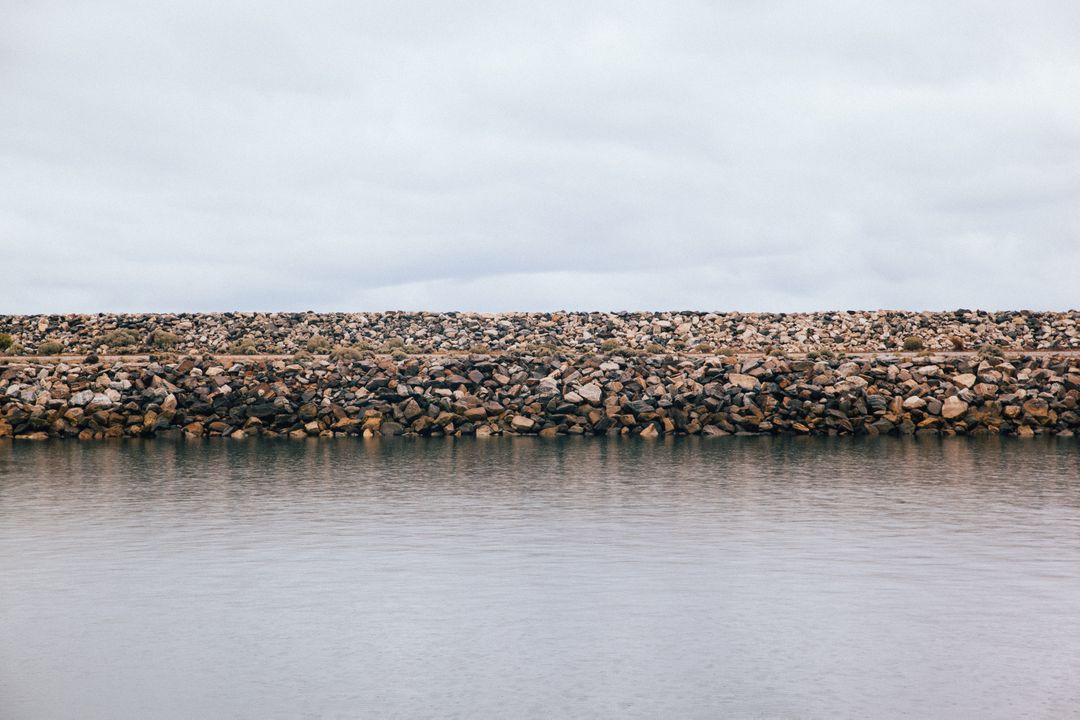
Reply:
x=591, y=393
x=914, y=403
x=966, y=380
x=81, y=398
x=953, y=407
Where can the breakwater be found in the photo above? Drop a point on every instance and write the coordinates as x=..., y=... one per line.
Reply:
x=623, y=332
x=547, y=395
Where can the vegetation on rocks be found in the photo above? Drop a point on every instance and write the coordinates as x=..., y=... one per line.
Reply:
x=162, y=339
x=318, y=344
x=243, y=346
x=340, y=352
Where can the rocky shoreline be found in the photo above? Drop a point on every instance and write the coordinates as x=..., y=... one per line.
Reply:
x=584, y=333
x=647, y=395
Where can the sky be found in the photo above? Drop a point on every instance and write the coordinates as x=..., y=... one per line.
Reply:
x=489, y=156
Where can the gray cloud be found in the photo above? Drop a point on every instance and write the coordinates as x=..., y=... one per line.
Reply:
x=491, y=156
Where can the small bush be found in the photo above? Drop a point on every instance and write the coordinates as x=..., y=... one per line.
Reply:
x=654, y=348
x=245, y=346
x=541, y=349
x=342, y=352
x=393, y=343
x=399, y=354
x=162, y=339
x=912, y=343
x=609, y=345
x=50, y=347
x=120, y=339
x=302, y=355
x=6, y=341
x=704, y=348
x=726, y=351
x=413, y=349
x=957, y=343
x=990, y=350
x=318, y=344
x=479, y=349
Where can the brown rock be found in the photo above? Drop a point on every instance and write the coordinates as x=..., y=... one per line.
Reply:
x=1037, y=408
x=475, y=413
x=522, y=423
x=744, y=382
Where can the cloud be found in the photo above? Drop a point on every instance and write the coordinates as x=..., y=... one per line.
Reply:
x=492, y=156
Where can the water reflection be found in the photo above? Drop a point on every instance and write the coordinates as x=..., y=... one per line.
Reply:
x=524, y=578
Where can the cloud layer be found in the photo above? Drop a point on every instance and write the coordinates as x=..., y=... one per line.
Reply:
x=500, y=155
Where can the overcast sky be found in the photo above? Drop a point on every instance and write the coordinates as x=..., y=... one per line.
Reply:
x=747, y=155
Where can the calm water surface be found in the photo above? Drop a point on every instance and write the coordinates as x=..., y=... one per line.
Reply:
x=518, y=578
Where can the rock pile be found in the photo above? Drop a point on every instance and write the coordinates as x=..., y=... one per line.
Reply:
x=578, y=394
x=417, y=333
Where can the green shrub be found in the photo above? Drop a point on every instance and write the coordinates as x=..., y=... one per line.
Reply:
x=6, y=341
x=50, y=347
x=318, y=344
x=912, y=343
x=162, y=339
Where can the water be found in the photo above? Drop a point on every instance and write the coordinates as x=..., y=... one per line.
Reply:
x=748, y=577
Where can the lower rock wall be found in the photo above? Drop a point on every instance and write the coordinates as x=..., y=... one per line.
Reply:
x=524, y=394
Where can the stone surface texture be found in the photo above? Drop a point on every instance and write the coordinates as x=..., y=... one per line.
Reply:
x=420, y=332
x=545, y=394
